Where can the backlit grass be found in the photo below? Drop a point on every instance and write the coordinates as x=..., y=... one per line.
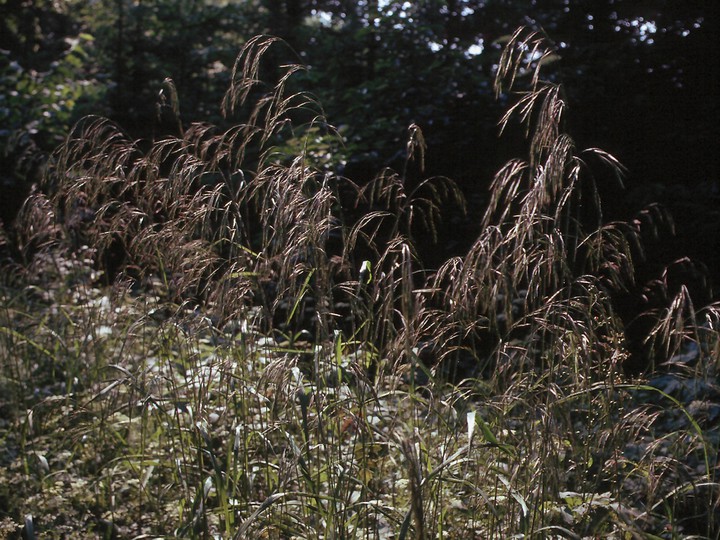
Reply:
x=273, y=360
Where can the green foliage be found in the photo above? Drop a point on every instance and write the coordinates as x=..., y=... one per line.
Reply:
x=47, y=103
x=379, y=71
x=142, y=43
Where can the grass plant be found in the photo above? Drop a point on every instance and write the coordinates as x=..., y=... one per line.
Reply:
x=268, y=357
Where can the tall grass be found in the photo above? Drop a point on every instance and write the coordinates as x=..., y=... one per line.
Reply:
x=272, y=360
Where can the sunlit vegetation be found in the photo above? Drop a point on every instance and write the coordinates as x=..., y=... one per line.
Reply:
x=215, y=336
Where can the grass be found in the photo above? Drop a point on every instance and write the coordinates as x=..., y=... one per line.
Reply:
x=272, y=360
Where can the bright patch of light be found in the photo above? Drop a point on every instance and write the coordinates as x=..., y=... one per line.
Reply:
x=434, y=47
x=645, y=28
x=466, y=11
x=639, y=27
x=534, y=56
x=323, y=17
x=476, y=48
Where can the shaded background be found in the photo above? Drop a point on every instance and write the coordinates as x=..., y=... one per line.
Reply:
x=641, y=79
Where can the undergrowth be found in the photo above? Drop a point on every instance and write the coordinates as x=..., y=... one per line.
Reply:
x=272, y=360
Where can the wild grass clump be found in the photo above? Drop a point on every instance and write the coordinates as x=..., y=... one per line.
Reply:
x=271, y=359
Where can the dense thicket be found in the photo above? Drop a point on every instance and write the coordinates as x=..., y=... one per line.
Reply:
x=639, y=77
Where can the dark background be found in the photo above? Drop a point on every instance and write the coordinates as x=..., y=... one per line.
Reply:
x=641, y=79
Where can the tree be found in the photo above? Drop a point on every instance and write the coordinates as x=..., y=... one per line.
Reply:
x=46, y=83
